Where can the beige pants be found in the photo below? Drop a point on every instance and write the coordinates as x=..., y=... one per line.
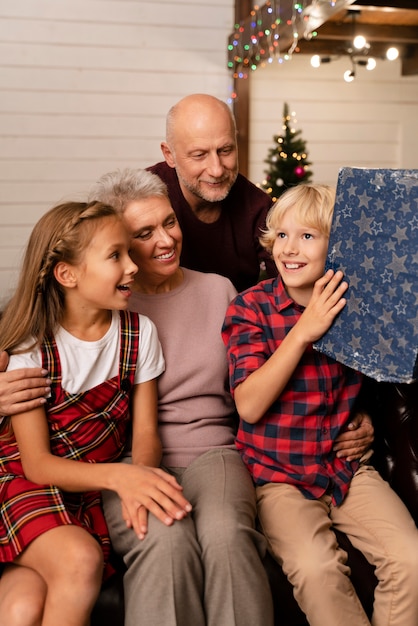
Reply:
x=206, y=569
x=299, y=532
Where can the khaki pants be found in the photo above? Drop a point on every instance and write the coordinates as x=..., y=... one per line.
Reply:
x=206, y=569
x=299, y=533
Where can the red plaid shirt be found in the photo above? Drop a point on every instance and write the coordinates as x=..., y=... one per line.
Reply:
x=293, y=442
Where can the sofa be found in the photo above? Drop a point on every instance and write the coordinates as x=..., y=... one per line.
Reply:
x=394, y=409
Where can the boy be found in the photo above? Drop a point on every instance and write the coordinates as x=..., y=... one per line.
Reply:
x=293, y=402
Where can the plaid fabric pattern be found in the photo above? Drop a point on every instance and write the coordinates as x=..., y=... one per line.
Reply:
x=93, y=426
x=374, y=241
x=293, y=442
x=89, y=427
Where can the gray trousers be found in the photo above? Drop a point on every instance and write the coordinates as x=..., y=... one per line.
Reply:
x=206, y=569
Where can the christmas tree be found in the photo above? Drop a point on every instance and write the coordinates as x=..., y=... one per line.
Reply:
x=287, y=160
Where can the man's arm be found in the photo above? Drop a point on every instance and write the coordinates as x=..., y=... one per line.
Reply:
x=21, y=390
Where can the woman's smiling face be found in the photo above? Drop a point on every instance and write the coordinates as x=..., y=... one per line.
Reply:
x=156, y=237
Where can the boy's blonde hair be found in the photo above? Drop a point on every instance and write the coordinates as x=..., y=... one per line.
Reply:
x=313, y=206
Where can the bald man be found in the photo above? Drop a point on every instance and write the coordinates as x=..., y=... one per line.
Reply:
x=220, y=212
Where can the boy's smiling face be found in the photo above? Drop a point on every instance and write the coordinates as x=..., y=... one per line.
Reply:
x=299, y=252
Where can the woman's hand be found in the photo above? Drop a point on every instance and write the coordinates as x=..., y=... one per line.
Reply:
x=142, y=520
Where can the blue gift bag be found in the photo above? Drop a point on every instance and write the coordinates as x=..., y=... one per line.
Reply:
x=374, y=241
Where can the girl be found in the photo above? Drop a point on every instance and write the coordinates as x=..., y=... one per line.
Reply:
x=103, y=364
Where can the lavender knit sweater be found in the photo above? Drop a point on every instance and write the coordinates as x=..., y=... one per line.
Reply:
x=196, y=412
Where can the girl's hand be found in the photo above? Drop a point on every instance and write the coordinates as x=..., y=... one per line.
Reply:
x=144, y=489
x=325, y=304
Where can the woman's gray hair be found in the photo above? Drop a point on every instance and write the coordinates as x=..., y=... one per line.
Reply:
x=120, y=187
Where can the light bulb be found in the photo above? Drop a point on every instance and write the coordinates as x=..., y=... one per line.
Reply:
x=315, y=60
x=371, y=63
x=392, y=54
x=359, y=42
x=349, y=76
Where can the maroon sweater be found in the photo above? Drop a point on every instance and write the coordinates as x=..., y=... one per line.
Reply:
x=229, y=246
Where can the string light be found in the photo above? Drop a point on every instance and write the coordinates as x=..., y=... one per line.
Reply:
x=271, y=32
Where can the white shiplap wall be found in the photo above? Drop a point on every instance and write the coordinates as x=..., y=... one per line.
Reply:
x=84, y=88
x=371, y=122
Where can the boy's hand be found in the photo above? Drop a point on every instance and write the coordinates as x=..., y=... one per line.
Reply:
x=21, y=390
x=325, y=304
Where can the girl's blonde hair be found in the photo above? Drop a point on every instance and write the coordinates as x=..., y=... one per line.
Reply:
x=313, y=206
x=62, y=234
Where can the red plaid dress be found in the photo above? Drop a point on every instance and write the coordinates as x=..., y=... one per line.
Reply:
x=92, y=427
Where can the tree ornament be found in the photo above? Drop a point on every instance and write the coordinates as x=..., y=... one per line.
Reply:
x=299, y=171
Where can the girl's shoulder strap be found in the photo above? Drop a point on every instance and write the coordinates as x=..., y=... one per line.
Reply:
x=50, y=358
x=51, y=362
x=129, y=348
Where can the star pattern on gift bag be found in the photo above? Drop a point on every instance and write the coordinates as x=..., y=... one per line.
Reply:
x=374, y=241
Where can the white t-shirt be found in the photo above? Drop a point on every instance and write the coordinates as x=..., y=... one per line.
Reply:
x=85, y=364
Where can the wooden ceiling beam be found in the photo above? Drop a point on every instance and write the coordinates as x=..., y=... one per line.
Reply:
x=336, y=31
x=383, y=4
x=335, y=48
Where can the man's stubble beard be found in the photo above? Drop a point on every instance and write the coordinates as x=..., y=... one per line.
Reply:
x=199, y=193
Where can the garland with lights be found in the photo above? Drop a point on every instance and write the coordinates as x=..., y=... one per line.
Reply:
x=288, y=159
x=272, y=32
x=259, y=41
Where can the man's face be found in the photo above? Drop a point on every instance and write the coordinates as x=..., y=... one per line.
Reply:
x=204, y=154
